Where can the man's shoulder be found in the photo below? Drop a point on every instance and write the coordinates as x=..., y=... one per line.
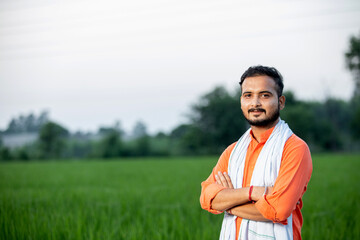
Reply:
x=227, y=152
x=296, y=144
x=229, y=148
x=296, y=141
x=225, y=156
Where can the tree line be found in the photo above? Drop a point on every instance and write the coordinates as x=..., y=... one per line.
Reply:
x=214, y=122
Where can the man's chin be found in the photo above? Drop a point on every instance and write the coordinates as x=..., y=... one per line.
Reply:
x=260, y=122
x=263, y=120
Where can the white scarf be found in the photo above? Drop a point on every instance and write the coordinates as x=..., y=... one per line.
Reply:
x=265, y=173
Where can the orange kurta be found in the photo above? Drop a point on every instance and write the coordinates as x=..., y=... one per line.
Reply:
x=290, y=185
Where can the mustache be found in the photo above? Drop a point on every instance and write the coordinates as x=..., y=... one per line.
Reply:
x=256, y=109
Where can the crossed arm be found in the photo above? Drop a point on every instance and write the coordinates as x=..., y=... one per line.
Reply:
x=236, y=201
x=218, y=194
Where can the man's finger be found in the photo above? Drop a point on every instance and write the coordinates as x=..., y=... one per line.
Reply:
x=217, y=179
x=223, y=179
x=227, y=177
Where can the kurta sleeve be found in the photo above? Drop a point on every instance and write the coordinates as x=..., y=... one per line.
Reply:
x=209, y=187
x=290, y=185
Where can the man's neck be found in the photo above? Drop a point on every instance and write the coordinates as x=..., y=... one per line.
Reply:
x=259, y=130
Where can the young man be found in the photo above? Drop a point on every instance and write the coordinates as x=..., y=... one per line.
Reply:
x=259, y=180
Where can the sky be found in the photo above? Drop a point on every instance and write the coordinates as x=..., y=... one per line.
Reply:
x=92, y=63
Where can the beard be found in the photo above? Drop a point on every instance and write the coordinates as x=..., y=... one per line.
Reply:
x=264, y=122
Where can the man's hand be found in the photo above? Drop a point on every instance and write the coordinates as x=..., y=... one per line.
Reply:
x=224, y=180
x=258, y=192
x=230, y=197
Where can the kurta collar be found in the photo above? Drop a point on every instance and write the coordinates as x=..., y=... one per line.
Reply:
x=264, y=136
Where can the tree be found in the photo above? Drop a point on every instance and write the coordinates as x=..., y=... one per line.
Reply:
x=355, y=123
x=195, y=141
x=324, y=126
x=5, y=154
x=27, y=123
x=141, y=139
x=217, y=120
x=179, y=131
x=161, y=145
x=139, y=130
x=352, y=57
x=111, y=144
x=182, y=142
x=299, y=115
x=52, y=140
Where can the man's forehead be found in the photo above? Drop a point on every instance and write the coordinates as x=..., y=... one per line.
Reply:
x=258, y=83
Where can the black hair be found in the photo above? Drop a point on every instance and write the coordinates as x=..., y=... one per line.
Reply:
x=265, y=71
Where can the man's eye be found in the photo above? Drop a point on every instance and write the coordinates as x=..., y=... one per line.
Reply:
x=265, y=95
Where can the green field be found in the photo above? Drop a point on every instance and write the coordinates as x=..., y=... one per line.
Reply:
x=154, y=199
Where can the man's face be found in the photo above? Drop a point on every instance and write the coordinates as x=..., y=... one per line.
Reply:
x=260, y=103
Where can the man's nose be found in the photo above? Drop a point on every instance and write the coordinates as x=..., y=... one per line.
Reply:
x=255, y=101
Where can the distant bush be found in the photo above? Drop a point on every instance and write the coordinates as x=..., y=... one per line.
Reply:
x=215, y=122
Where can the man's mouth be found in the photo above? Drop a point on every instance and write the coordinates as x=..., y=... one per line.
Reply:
x=256, y=110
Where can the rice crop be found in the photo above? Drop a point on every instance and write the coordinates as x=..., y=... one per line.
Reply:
x=154, y=199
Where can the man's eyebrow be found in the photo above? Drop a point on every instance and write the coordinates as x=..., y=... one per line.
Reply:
x=266, y=92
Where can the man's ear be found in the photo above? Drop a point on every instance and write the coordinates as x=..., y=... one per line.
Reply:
x=282, y=100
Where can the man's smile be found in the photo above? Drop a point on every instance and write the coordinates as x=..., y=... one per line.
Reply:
x=256, y=110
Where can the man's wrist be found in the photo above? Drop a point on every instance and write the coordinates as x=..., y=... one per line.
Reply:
x=250, y=192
